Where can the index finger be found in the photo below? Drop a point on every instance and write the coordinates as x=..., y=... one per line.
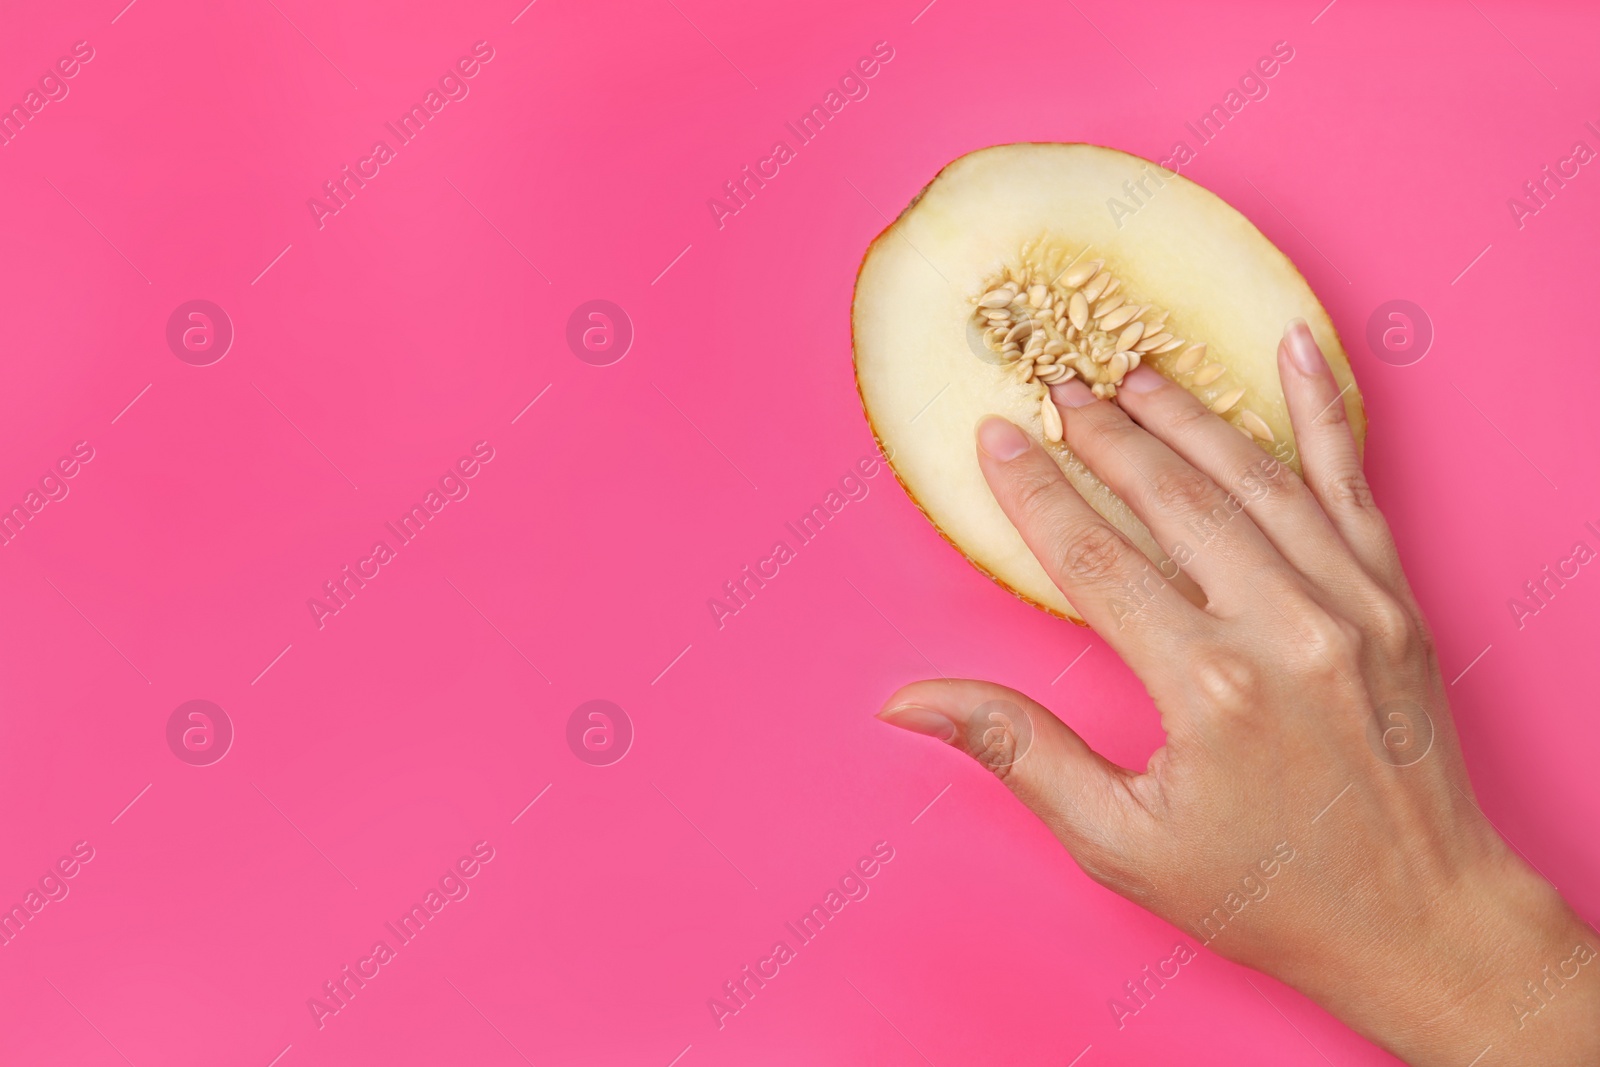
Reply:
x=1116, y=588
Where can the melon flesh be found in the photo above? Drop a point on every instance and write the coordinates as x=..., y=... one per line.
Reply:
x=926, y=378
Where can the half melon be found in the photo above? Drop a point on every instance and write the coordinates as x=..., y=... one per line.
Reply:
x=1024, y=264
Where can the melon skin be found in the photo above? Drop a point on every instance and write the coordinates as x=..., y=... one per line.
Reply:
x=1185, y=250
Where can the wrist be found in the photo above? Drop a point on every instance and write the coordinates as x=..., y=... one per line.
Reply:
x=1496, y=961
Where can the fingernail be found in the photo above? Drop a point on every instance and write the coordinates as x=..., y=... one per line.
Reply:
x=1302, y=348
x=1073, y=394
x=1000, y=439
x=920, y=720
x=1141, y=380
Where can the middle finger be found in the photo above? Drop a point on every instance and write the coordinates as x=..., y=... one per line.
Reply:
x=1204, y=529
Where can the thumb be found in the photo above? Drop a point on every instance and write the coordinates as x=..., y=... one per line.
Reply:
x=1079, y=794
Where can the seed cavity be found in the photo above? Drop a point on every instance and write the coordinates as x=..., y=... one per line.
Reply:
x=1052, y=317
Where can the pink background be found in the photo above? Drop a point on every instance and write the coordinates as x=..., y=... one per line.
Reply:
x=428, y=713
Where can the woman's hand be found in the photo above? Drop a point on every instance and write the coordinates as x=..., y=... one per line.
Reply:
x=1309, y=815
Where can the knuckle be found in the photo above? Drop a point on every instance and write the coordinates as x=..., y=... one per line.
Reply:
x=1226, y=681
x=1098, y=431
x=1327, y=645
x=1094, y=555
x=994, y=745
x=1333, y=414
x=1391, y=630
x=1422, y=642
x=1034, y=495
x=1188, y=417
x=1349, y=490
x=1182, y=490
x=1268, y=481
x=998, y=736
